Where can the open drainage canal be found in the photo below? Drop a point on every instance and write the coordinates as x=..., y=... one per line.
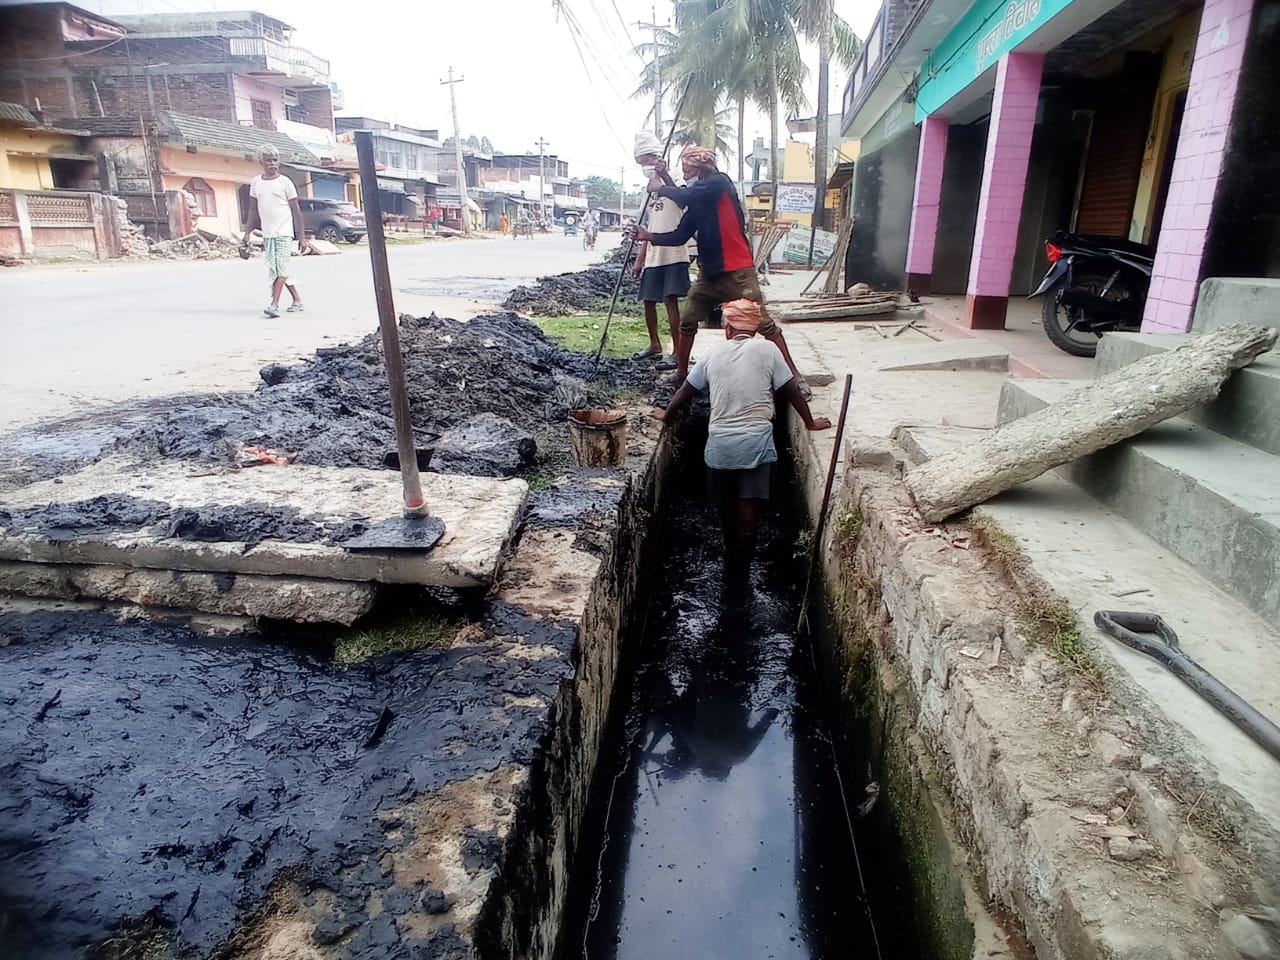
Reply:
x=724, y=826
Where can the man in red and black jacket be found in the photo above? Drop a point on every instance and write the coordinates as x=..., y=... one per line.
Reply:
x=726, y=265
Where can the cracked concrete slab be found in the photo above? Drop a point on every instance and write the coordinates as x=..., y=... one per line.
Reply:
x=480, y=516
x=301, y=599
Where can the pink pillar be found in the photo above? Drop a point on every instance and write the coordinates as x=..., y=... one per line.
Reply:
x=925, y=203
x=1197, y=165
x=1004, y=174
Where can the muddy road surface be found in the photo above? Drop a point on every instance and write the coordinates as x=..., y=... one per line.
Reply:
x=152, y=775
x=93, y=333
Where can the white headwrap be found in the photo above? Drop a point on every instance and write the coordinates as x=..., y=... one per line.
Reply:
x=647, y=145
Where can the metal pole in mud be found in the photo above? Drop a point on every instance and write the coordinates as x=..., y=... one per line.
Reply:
x=414, y=503
x=626, y=257
x=815, y=543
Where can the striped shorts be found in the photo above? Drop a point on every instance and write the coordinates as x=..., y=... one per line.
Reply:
x=277, y=251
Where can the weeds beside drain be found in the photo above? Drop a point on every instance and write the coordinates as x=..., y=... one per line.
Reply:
x=1045, y=616
x=395, y=632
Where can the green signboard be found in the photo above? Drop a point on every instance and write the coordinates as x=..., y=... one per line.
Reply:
x=988, y=30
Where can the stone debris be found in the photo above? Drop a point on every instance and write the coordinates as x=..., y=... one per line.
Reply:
x=1106, y=411
x=1126, y=849
x=200, y=245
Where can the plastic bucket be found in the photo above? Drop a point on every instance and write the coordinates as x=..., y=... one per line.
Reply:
x=598, y=438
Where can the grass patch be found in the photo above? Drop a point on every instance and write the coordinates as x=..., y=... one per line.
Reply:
x=848, y=524
x=395, y=631
x=627, y=334
x=552, y=458
x=150, y=941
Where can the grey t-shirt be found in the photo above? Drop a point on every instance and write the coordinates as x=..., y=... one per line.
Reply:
x=741, y=376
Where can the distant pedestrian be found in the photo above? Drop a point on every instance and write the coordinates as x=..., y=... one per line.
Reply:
x=726, y=265
x=504, y=224
x=742, y=376
x=273, y=208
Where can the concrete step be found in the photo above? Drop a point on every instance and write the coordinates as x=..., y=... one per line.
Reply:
x=1248, y=409
x=1212, y=500
x=1095, y=560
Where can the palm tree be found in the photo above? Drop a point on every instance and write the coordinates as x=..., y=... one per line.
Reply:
x=695, y=128
x=817, y=21
x=756, y=53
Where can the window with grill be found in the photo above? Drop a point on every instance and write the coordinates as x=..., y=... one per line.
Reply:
x=206, y=200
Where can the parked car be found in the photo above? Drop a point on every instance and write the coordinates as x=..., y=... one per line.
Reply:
x=332, y=220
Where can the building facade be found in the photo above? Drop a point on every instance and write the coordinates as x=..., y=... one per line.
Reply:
x=239, y=68
x=987, y=126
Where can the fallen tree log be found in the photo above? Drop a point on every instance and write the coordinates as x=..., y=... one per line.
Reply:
x=1104, y=412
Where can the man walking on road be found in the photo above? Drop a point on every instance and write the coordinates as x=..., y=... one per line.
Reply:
x=727, y=269
x=742, y=377
x=273, y=208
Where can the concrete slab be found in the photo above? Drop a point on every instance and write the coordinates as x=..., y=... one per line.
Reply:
x=301, y=599
x=1212, y=500
x=1248, y=409
x=1095, y=560
x=950, y=355
x=1089, y=555
x=480, y=515
x=1227, y=300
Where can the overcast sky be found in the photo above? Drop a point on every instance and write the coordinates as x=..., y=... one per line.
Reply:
x=523, y=75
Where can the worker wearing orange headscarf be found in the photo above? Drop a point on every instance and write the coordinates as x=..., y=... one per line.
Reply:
x=727, y=269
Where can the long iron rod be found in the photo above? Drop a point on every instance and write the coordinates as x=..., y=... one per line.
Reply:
x=631, y=244
x=820, y=524
x=414, y=502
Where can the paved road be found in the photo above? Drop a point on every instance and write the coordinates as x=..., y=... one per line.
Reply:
x=78, y=336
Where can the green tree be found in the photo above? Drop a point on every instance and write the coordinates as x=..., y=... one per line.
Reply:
x=730, y=51
x=486, y=146
x=601, y=191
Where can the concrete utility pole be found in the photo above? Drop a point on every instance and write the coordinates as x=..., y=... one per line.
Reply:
x=542, y=176
x=622, y=194
x=457, y=153
x=657, y=69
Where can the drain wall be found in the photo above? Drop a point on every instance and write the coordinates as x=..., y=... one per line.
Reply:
x=873, y=611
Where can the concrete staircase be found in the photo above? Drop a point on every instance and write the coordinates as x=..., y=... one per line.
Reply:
x=1205, y=485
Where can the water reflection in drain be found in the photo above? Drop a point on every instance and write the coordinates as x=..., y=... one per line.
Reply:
x=724, y=832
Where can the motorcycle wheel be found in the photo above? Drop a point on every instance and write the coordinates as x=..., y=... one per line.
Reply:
x=1060, y=322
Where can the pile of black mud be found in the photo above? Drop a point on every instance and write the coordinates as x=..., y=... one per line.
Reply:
x=567, y=293
x=115, y=513
x=495, y=380
x=149, y=774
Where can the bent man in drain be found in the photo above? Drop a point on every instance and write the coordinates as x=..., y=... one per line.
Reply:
x=726, y=265
x=742, y=375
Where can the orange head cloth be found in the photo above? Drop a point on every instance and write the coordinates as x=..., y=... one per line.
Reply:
x=698, y=156
x=742, y=315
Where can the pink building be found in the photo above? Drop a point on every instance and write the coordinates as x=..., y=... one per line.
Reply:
x=989, y=126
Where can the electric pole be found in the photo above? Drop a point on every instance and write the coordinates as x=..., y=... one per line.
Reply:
x=622, y=194
x=657, y=69
x=542, y=176
x=464, y=213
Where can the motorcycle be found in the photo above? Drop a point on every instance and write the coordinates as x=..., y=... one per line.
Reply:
x=1094, y=285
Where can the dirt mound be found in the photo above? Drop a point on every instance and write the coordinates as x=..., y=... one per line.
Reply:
x=581, y=290
x=335, y=408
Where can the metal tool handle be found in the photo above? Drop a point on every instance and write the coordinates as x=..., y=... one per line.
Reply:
x=1129, y=628
x=414, y=502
